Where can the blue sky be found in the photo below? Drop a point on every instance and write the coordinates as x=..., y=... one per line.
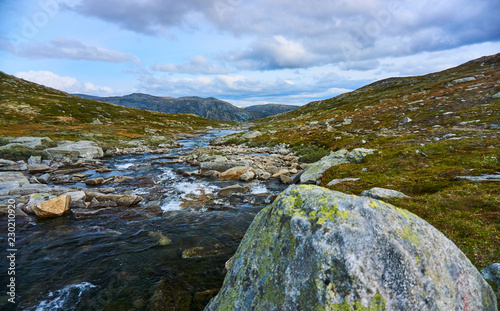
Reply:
x=245, y=52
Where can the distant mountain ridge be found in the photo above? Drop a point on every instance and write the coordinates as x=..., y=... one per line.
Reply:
x=262, y=111
x=211, y=108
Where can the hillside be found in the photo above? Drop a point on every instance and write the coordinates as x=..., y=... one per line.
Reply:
x=428, y=132
x=30, y=109
x=211, y=108
x=262, y=111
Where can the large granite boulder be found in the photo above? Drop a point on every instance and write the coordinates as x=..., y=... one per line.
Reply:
x=316, y=249
x=74, y=150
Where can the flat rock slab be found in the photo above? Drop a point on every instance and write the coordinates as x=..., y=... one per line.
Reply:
x=74, y=150
x=382, y=193
x=479, y=178
x=316, y=249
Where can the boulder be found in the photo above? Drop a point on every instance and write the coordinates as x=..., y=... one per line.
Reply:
x=221, y=166
x=235, y=172
x=249, y=175
x=125, y=200
x=315, y=171
x=251, y=134
x=52, y=208
x=381, y=193
x=262, y=175
x=234, y=189
x=7, y=165
x=357, y=155
x=33, y=142
x=74, y=150
x=44, y=178
x=316, y=249
x=497, y=95
x=77, y=199
x=211, y=174
x=35, y=160
x=285, y=179
x=94, y=181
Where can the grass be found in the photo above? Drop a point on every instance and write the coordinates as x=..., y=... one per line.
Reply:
x=29, y=109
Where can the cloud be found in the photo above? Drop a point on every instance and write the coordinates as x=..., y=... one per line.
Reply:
x=67, y=84
x=307, y=33
x=72, y=49
x=196, y=65
x=275, y=53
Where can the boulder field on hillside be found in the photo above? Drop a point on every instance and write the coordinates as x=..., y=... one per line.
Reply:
x=316, y=249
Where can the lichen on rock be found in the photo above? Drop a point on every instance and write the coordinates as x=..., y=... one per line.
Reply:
x=316, y=249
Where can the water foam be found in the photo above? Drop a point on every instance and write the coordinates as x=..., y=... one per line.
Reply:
x=64, y=299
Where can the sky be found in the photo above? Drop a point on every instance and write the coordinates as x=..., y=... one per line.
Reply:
x=246, y=52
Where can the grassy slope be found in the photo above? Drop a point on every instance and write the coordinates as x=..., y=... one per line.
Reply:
x=30, y=109
x=409, y=157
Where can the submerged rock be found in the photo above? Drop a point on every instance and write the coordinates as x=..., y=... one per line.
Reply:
x=316, y=249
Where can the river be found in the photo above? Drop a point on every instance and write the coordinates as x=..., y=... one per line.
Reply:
x=137, y=258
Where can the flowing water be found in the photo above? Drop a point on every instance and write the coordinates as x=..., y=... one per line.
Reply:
x=132, y=258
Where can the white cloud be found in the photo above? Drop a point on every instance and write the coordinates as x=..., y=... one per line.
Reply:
x=63, y=48
x=66, y=84
x=196, y=65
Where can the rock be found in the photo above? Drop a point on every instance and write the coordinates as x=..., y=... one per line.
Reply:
x=94, y=203
x=221, y=166
x=103, y=169
x=463, y=80
x=492, y=274
x=119, y=179
x=495, y=126
x=212, y=174
x=235, y=172
x=381, y=193
x=35, y=199
x=262, y=175
x=13, y=177
x=38, y=168
x=125, y=200
x=234, y=189
x=74, y=150
x=204, y=252
x=96, y=122
x=406, y=120
x=315, y=249
x=357, y=155
x=249, y=175
x=315, y=171
x=77, y=199
x=52, y=208
x=497, y=95
x=35, y=160
x=33, y=142
x=285, y=179
x=161, y=237
x=7, y=165
x=33, y=180
x=251, y=134
x=479, y=178
x=338, y=181
x=94, y=181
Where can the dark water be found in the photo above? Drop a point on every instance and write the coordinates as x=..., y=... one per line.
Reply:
x=119, y=260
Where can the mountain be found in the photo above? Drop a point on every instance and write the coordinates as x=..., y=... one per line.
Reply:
x=262, y=111
x=30, y=109
x=211, y=108
x=430, y=132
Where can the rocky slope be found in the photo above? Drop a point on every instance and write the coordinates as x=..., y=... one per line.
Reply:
x=30, y=109
x=437, y=140
x=262, y=111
